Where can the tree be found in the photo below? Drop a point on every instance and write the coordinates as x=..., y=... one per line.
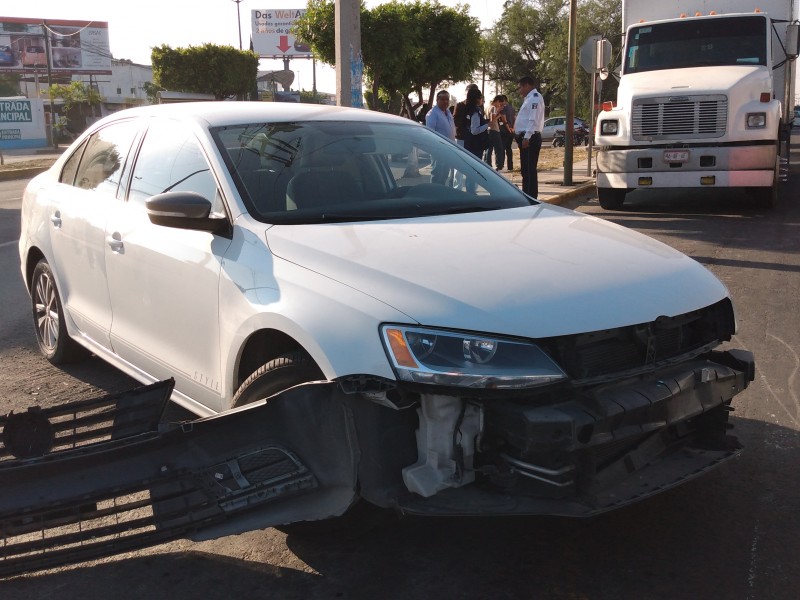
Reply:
x=208, y=69
x=78, y=100
x=532, y=38
x=151, y=91
x=407, y=47
x=9, y=84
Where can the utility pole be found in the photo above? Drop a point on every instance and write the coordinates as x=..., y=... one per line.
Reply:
x=45, y=31
x=349, y=64
x=569, y=126
x=239, y=22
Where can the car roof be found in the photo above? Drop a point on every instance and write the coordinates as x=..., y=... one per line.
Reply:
x=224, y=113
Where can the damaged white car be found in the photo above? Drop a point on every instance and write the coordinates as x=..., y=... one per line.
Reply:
x=463, y=349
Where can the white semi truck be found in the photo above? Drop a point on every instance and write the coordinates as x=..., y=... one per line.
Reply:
x=705, y=98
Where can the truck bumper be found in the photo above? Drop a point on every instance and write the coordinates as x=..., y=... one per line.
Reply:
x=716, y=166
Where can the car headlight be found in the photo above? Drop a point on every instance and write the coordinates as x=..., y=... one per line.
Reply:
x=609, y=127
x=756, y=120
x=467, y=360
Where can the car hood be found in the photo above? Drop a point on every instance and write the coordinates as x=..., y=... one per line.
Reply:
x=536, y=271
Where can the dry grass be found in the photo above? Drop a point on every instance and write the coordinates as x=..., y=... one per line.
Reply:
x=27, y=164
x=553, y=158
x=549, y=158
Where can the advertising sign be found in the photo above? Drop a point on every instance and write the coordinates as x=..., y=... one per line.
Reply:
x=74, y=47
x=22, y=123
x=271, y=37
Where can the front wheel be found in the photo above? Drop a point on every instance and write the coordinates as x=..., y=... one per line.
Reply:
x=277, y=375
x=48, y=319
x=611, y=198
x=280, y=374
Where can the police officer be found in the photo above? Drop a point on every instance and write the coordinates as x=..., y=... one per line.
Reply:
x=528, y=127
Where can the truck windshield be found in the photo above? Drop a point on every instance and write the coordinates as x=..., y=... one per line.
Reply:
x=711, y=42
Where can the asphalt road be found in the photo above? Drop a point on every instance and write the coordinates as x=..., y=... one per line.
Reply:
x=732, y=534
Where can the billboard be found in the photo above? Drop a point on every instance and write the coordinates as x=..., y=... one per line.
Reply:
x=271, y=37
x=69, y=47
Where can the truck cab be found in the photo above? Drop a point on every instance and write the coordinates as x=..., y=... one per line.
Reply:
x=701, y=103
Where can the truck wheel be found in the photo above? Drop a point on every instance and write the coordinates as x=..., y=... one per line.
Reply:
x=611, y=198
x=765, y=197
x=48, y=319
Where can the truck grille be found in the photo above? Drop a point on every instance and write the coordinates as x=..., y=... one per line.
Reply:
x=679, y=117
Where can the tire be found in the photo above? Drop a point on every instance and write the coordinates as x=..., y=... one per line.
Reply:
x=280, y=374
x=48, y=319
x=611, y=198
x=765, y=197
x=277, y=375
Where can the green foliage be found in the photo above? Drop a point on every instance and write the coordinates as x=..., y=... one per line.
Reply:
x=532, y=39
x=151, y=91
x=208, y=69
x=9, y=84
x=407, y=47
x=77, y=96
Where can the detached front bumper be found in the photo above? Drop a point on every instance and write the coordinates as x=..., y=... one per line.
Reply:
x=99, y=477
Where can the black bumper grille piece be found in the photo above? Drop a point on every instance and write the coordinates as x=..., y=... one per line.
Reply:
x=644, y=346
x=40, y=431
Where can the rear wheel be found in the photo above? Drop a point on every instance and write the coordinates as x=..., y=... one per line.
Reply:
x=280, y=374
x=611, y=198
x=48, y=319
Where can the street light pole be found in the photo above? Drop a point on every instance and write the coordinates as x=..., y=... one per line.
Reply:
x=239, y=21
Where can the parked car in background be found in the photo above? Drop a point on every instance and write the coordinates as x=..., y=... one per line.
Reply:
x=422, y=347
x=34, y=56
x=553, y=124
x=7, y=56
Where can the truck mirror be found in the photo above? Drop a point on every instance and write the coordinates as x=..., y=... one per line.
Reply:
x=792, y=40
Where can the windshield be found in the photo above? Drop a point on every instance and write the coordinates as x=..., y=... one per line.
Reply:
x=697, y=43
x=311, y=172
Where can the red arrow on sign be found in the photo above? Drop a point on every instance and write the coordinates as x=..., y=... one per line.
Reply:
x=284, y=45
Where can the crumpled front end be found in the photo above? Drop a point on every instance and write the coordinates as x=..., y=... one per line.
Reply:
x=588, y=452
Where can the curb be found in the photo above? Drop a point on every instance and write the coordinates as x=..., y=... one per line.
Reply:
x=580, y=190
x=27, y=173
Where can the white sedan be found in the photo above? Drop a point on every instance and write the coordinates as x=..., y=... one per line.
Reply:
x=461, y=350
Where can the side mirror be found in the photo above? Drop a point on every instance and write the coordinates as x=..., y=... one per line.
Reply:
x=792, y=40
x=184, y=210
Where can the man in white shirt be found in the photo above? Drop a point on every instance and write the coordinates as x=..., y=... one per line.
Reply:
x=528, y=127
x=440, y=119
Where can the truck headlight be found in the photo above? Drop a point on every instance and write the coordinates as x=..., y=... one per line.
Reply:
x=469, y=360
x=756, y=120
x=609, y=127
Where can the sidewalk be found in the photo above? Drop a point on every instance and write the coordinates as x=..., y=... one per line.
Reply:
x=551, y=188
x=551, y=184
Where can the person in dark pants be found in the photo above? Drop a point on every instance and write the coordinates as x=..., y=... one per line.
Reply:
x=495, y=140
x=530, y=121
x=506, y=122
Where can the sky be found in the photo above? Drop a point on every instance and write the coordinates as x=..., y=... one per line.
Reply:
x=135, y=27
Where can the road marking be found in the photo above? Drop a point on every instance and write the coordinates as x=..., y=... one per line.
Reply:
x=4, y=244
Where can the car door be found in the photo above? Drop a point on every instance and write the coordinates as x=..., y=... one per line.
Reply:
x=80, y=206
x=164, y=282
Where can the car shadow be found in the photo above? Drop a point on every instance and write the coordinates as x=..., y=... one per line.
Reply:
x=715, y=537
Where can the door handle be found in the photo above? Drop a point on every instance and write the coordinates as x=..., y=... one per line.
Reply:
x=55, y=219
x=114, y=242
